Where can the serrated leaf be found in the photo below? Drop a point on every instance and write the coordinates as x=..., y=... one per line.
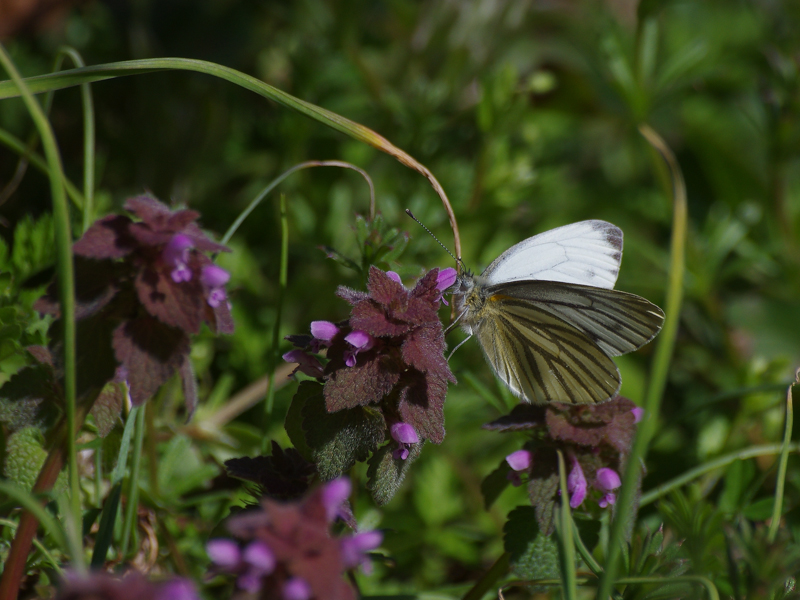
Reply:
x=25, y=456
x=337, y=440
x=533, y=554
x=386, y=474
x=495, y=484
x=108, y=406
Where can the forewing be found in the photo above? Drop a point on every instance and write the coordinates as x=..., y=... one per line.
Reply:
x=617, y=322
x=542, y=358
x=585, y=253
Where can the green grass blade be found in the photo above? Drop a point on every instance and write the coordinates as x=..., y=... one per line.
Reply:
x=88, y=139
x=566, y=544
x=105, y=532
x=15, y=144
x=625, y=514
x=782, y=463
x=133, y=488
x=66, y=284
x=64, y=79
x=29, y=502
x=717, y=463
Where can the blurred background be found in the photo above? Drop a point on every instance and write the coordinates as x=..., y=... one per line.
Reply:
x=528, y=113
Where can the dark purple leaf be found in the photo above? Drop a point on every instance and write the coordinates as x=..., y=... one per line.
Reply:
x=151, y=352
x=108, y=237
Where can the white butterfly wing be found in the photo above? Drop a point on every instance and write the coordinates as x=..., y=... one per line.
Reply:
x=584, y=253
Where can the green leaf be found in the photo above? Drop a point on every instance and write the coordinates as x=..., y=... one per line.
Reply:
x=294, y=417
x=337, y=440
x=385, y=474
x=589, y=530
x=495, y=484
x=106, y=529
x=25, y=456
x=760, y=510
x=533, y=554
x=182, y=469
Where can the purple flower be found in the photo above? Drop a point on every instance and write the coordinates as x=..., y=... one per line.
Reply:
x=355, y=548
x=215, y=278
x=252, y=564
x=607, y=479
x=404, y=434
x=334, y=494
x=176, y=589
x=520, y=460
x=323, y=333
x=361, y=342
x=259, y=557
x=607, y=499
x=638, y=413
x=394, y=276
x=296, y=588
x=176, y=254
x=306, y=364
x=224, y=553
x=514, y=478
x=446, y=278
x=576, y=484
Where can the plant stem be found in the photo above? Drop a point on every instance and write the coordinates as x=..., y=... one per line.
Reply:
x=783, y=461
x=66, y=288
x=625, y=513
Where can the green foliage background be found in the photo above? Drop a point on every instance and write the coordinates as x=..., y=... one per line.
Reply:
x=527, y=112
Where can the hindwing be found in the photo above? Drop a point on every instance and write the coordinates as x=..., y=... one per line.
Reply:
x=541, y=357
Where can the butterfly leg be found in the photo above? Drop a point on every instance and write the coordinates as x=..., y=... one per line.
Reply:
x=458, y=346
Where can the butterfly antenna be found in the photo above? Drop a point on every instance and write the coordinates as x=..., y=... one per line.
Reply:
x=430, y=233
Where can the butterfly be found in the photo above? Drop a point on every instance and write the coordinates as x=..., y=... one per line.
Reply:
x=548, y=319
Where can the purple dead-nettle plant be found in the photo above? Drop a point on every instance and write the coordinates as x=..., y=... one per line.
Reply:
x=285, y=551
x=596, y=440
x=383, y=378
x=143, y=286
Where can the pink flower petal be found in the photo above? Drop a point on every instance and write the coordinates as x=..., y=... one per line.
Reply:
x=334, y=494
x=638, y=413
x=520, y=460
x=296, y=588
x=404, y=433
x=258, y=555
x=394, y=276
x=576, y=484
x=214, y=276
x=224, y=552
x=360, y=339
x=323, y=330
x=608, y=479
x=447, y=278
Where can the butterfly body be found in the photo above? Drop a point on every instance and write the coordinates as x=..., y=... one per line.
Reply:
x=548, y=319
